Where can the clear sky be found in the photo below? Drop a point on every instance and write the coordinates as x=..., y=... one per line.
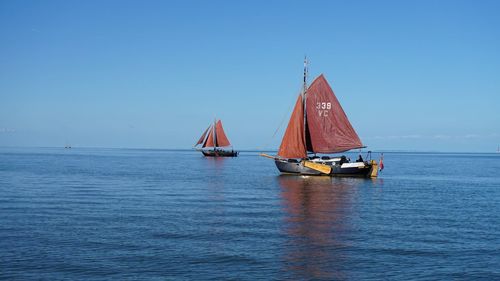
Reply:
x=411, y=75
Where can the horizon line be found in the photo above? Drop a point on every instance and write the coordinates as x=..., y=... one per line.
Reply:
x=251, y=149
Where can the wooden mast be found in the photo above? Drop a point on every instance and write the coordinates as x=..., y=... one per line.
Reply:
x=215, y=136
x=304, y=97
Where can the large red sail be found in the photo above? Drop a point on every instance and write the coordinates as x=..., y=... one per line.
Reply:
x=202, y=138
x=221, y=136
x=293, y=143
x=329, y=129
x=210, y=140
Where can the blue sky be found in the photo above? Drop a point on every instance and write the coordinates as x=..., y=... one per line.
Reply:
x=411, y=75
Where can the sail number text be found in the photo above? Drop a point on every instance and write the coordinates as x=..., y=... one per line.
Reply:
x=323, y=108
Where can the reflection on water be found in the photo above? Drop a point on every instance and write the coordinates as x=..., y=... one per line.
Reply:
x=217, y=163
x=216, y=169
x=317, y=211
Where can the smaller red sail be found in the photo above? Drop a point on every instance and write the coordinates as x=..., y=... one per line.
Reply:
x=202, y=138
x=209, y=142
x=293, y=144
x=221, y=135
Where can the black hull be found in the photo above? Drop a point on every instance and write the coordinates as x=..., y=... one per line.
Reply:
x=297, y=168
x=219, y=153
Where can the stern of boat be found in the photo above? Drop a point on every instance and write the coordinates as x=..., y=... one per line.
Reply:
x=373, y=169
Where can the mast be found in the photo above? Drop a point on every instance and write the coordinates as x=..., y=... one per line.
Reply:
x=305, y=74
x=215, y=136
x=304, y=97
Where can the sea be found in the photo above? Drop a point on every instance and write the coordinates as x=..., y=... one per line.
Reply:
x=145, y=214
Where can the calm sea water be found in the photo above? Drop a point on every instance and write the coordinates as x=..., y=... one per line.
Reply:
x=174, y=215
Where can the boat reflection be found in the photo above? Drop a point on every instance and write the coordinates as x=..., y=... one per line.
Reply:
x=317, y=214
x=216, y=163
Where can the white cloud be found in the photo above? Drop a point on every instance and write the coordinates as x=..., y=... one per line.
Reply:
x=7, y=130
x=439, y=136
x=396, y=137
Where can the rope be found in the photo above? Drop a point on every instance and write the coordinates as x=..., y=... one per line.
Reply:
x=283, y=119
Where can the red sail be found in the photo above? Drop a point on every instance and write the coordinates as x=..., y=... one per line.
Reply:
x=293, y=143
x=209, y=142
x=200, y=141
x=329, y=129
x=221, y=136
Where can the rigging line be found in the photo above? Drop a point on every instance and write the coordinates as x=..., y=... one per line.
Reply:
x=285, y=115
x=283, y=119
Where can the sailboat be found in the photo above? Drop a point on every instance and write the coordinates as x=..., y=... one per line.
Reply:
x=214, y=142
x=318, y=124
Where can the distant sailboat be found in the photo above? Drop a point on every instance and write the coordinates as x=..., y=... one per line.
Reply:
x=214, y=142
x=319, y=125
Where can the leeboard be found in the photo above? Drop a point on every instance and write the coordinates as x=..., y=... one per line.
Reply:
x=325, y=169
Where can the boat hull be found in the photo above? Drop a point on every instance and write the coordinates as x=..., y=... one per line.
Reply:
x=295, y=168
x=219, y=153
x=298, y=168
